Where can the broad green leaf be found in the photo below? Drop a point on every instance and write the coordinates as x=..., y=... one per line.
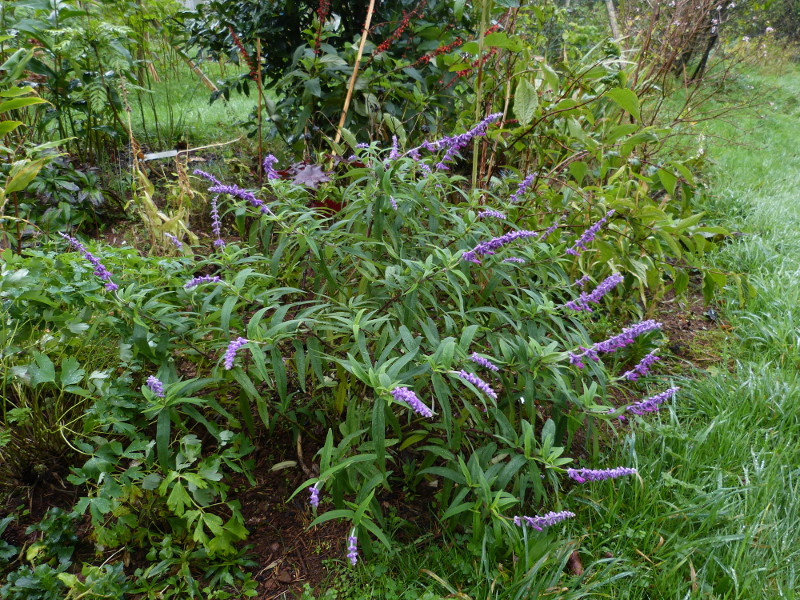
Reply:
x=626, y=100
x=525, y=101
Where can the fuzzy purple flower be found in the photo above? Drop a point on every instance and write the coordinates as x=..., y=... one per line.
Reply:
x=403, y=394
x=488, y=248
x=192, y=283
x=230, y=353
x=478, y=383
x=393, y=202
x=514, y=259
x=207, y=176
x=395, y=152
x=269, y=167
x=352, y=548
x=155, y=386
x=642, y=368
x=522, y=188
x=175, y=241
x=99, y=269
x=452, y=145
x=237, y=192
x=588, y=235
x=362, y=146
x=546, y=233
x=652, y=404
x=313, y=491
x=489, y=213
x=216, y=224
x=582, y=475
x=582, y=281
x=546, y=520
x=484, y=362
x=582, y=303
x=612, y=344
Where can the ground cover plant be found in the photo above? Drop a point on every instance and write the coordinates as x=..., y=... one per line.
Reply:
x=429, y=326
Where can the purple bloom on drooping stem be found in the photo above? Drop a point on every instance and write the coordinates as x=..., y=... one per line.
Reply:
x=488, y=248
x=393, y=202
x=313, y=491
x=494, y=214
x=155, y=386
x=403, y=394
x=628, y=335
x=582, y=281
x=207, y=176
x=216, y=224
x=546, y=233
x=642, y=368
x=545, y=520
x=269, y=167
x=652, y=404
x=522, y=188
x=199, y=280
x=237, y=192
x=478, y=383
x=175, y=241
x=230, y=353
x=352, y=548
x=582, y=303
x=514, y=259
x=582, y=475
x=484, y=362
x=395, y=152
x=455, y=143
x=588, y=235
x=99, y=269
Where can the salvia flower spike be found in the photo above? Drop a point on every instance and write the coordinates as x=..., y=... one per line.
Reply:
x=522, y=188
x=175, y=241
x=230, y=353
x=403, y=394
x=582, y=475
x=588, y=235
x=489, y=247
x=642, y=368
x=484, y=362
x=352, y=548
x=582, y=303
x=313, y=491
x=216, y=224
x=490, y=213
x=612, y=344
x=237, y=192
x=546, y=520
x=478, y=383
x=99, y=269
x=653, y=403
x=192, y=283
x=155, y=385
x=269, y=167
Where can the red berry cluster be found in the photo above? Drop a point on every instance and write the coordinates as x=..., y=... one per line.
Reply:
x=385, y=44
x=440, y=50
x=245, y=56
x=323, y=10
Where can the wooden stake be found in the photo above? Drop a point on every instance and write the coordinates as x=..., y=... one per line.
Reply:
x=355, y=71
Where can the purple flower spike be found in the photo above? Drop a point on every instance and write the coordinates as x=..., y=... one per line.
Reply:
x=269, y=167
x=237, y=192
x=546, y=233
x=514, y=259
x=582, y=303
x=489, y=213
x=643, y=368
x=99, y=269
x=313, y=491
x=489, y=248
x=155, y=386
x=175, y=241
x=653, y=403
x=395, y=152
x=207, y=176
x=192, y=283
x=582, y=281
x=230, y=353
x=582, y=475
x=393, y=202
x=522, y=188
x=403, y=394
x=452, y=145
x=546, y=520
x=478, y=383
x=588, y=235
x=216, y=223
x=628, y=335
x=352, y=548
x=484, y=362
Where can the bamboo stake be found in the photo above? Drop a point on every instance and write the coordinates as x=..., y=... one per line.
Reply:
x=355, y=71
x=206, y=81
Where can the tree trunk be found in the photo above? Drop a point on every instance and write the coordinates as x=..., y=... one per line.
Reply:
x=612, y=18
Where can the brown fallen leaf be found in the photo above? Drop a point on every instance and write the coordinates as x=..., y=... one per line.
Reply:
x=574, y=564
